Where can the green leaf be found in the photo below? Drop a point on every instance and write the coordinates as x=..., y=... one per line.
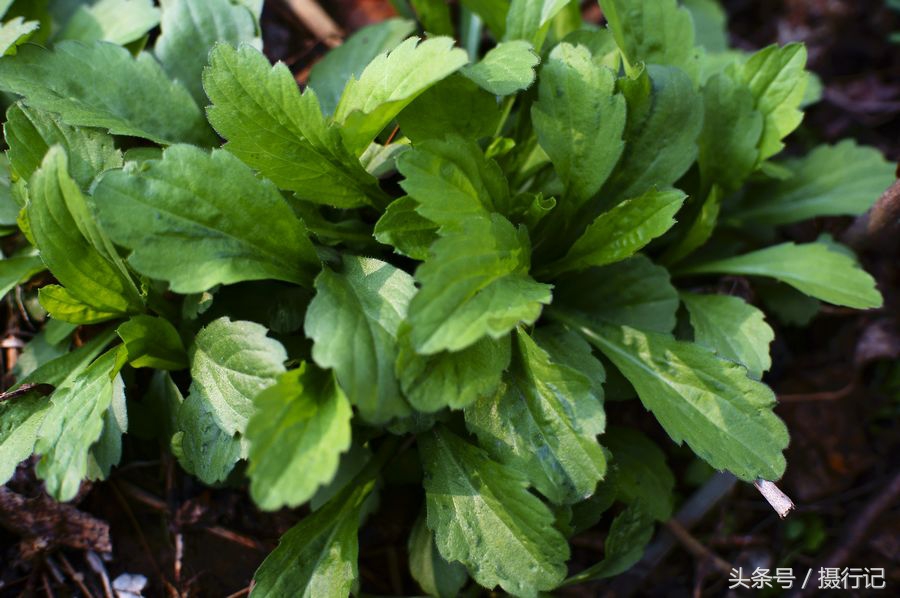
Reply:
x=483, y=516
x=330, y=75
x=434, y=574
x=117, y=21
x=17, y=270
x=567, y=348
x=153, y=343
x=20, y=420
x=65, y=307
x=777, y=78
x=475, y=284
x=433, y=382
x=630, y=532
x=297, y=434
x=732, y=328
x=455, y=106
x=390, y=83
x=653, y=32
x=272, y=128
x=641, y=476
x=710, y=24
x=201, y=446
x=353, y=322
x=14, y=33
x=492, y=12
x=61, y=372
x=402, y=227
x=58, y=223
x=434, y=15
x=544, y=423
x=179, y=217
x=665, y=116
x=529, y=20
x=698, y=398
x=702, y=225
x=506, y=69
x=833, y=180
x=623, y=231
x=128, y=96
x=30, y=133
x=452, y=181
x=72, y=424
x=317, y=558
x=729, y=142
x=231, y=363
x=811, y=268
x=579, y=120
x=635, y=292
x=190, y=29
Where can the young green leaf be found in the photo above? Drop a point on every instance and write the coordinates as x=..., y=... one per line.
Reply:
x=665, y=115
x=297, y=434
x=433, y=382
x=777, y=79
x=402, y=227
x=390, y=83
x=492, y=12
x=64, y=306
x=153, y=342
x=353, y=322
x=475, y=284
x=635, y=292
x=629, y=533
x=454, y=107
x=729, y=142
x=178, y=217
x=483, y=516
x=529, y=20
x=317, y=557
x=641, y=476
x=505, y=69
x=20, y=421
x=117, y=21
x=200, y=444
x=544, y=424
x=190, y=29
x=732, y=328
x=579, y=120
x=702, y=225
x=330, y=75
x=710, y=24
x=73, y=423
x=451, y=179
x=128, y=96
x=274, y=129
x=812, y=268
x=31, y=132
x=14, y=33
x=231, y=363
x=623, y=231
x=56, y=214
x=17, y=270
x=833, y=180
x=698, y=398
x=653, y=32
x=435, y=575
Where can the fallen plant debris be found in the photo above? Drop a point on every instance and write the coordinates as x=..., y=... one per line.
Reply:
x=447, y=269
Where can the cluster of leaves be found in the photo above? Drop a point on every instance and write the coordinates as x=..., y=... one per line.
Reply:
x=472, y=251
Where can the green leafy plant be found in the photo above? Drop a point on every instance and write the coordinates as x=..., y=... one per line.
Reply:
x=427, y=251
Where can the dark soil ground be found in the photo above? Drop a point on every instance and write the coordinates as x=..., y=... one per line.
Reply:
x=838, y=381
